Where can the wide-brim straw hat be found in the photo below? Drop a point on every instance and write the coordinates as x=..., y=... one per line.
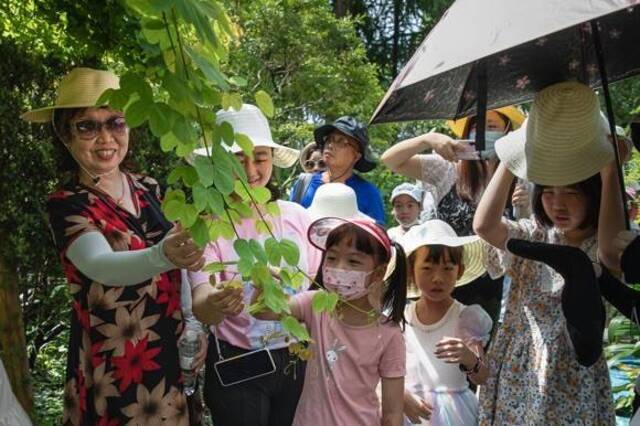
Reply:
x=513, y=114
x=81, y=88
x=562, y=142
x=436, y=232
x=306, y=152
x=337, y=200
x=251, y=122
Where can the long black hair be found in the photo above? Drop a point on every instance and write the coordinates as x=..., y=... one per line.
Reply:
x=394, y=297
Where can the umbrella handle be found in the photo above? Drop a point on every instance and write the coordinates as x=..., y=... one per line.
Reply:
x=595, y=31
x=481, y=109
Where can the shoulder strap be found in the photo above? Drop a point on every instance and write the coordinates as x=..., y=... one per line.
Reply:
x=303, y=184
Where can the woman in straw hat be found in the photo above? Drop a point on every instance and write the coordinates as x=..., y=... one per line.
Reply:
x=252, y=396
x=121, y=258
x=444, y=338
x=456, y=184
x=538, y=351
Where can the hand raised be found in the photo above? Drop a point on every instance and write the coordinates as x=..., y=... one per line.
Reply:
x=182, y=251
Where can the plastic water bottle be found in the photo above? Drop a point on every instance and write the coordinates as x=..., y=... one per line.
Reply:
x=188, y=346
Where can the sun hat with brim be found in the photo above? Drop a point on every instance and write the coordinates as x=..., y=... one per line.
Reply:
x=320, y=229
x=81, y=88
x=354, y=129
x=251, y=122
x=562, y=142
x=513, y=114
x=436, y=232
x=335, y=199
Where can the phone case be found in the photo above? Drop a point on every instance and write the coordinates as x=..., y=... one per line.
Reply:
x=244, y=367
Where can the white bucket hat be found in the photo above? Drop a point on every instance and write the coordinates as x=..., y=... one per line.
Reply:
x=563, y=141
x=252, y=122
x=413, y=191
x=335, y=200
x=436, y=232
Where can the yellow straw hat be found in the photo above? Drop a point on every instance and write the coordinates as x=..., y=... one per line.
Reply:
x=563, y=141
x=515, y=116
x=81, y=88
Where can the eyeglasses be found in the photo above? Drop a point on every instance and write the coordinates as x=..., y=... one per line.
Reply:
x=341, y=142
x=90, y=129
x=311, y=164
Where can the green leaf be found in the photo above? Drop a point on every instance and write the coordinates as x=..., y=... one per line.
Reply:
x=214, y=267
x=200, y=232
x=232, y=100
x=176, y=87
x=258, y=251
x=245, y=267
x=136, y=113
x=189, y=215
x=223, y=180
x=295, y=328
x=289, y=251
x=245, y=143
x=272, y=249
x=134, y=83
x=324, y=301
x=210, y=69
x=243, y=249
x=118, y=99
x=262, y=227
x=158, y=120
x=200, y=196
x=264, y=102
x=104, y=98
x=273, y=209
x=238, y=81
x=205, y=169
x=183, y=131
x=172, y=209
x=215, y=201
x=168, y=141
x=226, y=131
x=261, y=194
x=240, y=190
x=297, y=279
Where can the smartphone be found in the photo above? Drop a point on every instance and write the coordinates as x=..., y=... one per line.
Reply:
x=469, y=150
x=244, y=367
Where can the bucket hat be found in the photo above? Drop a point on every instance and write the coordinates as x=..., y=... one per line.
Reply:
x=252, y=122
x=81, y=88
x=354, y=129
x=563, y=141
x=320, y=229
x=513, y=114
x=437, y=232
x=413, y=191
x=336, y=199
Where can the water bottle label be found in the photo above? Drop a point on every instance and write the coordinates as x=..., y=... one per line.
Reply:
x=185, y=362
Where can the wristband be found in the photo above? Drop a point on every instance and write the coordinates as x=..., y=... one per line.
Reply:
x=475, y=369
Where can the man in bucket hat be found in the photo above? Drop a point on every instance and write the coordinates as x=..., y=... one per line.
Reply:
x=345, y=147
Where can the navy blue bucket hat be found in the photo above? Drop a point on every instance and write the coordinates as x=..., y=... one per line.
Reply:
x=354, y=129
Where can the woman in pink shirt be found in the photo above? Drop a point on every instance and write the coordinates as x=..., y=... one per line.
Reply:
x=270, y=399
x=356, y=346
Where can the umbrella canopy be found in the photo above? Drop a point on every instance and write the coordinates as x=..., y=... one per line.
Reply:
x=525, y=46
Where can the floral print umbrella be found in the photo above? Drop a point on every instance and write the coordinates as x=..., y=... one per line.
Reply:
x=523, y=47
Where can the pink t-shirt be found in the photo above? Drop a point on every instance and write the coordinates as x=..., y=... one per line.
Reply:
x=243, y=330
x=345, y=368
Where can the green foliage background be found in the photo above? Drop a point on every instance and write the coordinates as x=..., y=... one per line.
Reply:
x=317, y=66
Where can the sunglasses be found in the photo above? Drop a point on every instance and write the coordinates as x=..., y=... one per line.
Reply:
x=90, y=129
x=311, y=164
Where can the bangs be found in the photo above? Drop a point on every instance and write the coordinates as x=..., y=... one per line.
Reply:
x=358, y=238
x=439, y=254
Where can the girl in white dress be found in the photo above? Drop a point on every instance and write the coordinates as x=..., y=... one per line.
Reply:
x=444, y=338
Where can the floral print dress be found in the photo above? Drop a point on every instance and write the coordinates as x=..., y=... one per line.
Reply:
x=122, y=364
x=535, y=378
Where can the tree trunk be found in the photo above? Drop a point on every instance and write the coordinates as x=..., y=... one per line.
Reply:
x=12, y=338
x=395, y=46
x=341, y=8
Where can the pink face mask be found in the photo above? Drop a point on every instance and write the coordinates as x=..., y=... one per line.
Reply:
x=348, y=284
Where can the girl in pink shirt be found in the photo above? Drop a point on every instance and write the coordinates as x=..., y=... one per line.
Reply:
x=355, y=346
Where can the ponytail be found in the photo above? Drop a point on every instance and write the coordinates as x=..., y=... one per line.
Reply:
x=394, y=298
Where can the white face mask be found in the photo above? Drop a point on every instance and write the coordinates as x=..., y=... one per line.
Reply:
x=349, y=284
x=490, y=138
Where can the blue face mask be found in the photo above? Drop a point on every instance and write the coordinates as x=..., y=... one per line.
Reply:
x=490, y=138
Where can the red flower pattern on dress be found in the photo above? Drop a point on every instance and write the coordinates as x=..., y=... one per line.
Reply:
x=134, y=362
x=105, y=421
x=82, y=315
x=169, y=295
x=82, y=390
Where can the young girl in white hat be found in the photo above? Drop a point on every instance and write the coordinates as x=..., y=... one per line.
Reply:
x=444, y=338
x=541, y=372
